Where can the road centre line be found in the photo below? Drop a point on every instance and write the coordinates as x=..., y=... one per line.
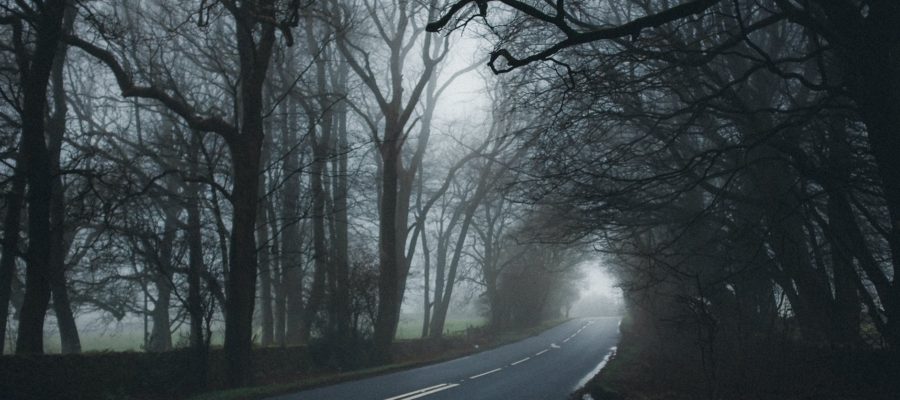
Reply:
x=485, y=373
x=566, y=339
x=542, y=352
x=452, y=385
x=521, y=361
x=415, y=392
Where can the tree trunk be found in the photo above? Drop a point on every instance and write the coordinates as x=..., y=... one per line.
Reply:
x=846, y=320
x=280, y=310
x=194, y=236
x=292, y=259
x=194, y=233
x=869, y=49
x=36, y=162
x=340, y=247
x=10, y=251
x=320, y=147
x=882, y=124
x=241, y=280
x=426, y=306
x=440, y=276
x=390, y=245
x=255, y=52
x=275, y=273
x=422, y=214
x=490, y=264
x=161, y=335
x=59, y=233
x=441, y=308
x=264, y=255
x=320, y=252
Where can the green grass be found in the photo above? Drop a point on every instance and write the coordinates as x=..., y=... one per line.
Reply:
x=115, y=340
x=98, y=341
x=410, y=326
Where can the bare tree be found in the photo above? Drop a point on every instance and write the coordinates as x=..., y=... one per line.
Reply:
x=254, y=25
x=399, y=30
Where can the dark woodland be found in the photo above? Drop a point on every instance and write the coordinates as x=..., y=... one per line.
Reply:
x=238, y=199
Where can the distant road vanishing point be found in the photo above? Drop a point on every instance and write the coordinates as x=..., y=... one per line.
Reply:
x=549, y=366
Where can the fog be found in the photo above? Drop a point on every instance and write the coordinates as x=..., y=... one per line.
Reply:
x=599, y=295
x=239, y=193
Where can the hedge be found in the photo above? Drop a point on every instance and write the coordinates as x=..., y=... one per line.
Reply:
x=176, y=374
x=132, y=375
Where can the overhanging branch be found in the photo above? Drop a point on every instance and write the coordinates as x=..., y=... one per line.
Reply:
x=573, y=38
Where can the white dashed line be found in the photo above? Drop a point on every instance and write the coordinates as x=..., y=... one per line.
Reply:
x=521, y=361
x=452, y=385
x=444, y=386
x=485, y=373
x=422, y=392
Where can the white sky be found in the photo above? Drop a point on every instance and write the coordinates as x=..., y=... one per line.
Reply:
x=465, y=100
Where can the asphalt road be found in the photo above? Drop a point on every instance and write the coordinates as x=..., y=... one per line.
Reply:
x=548, y=366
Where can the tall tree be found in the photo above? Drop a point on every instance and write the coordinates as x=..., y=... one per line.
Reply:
x=35, y=68
x=859, y=39
x=399, y=32
x=254, y=29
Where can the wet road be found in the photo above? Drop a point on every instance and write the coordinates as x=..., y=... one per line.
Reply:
x=548, y=366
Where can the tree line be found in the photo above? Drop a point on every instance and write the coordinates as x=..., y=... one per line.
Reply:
x=734, y=158
x=279, y=170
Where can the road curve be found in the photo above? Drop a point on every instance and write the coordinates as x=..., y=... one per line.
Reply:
x=544, y=367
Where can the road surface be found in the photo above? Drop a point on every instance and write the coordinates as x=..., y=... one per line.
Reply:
x=548, y=366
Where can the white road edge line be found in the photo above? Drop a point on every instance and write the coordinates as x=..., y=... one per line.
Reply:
x=521, y=361
x=485, y=373
x=542, y=352
x=566, y=339
x=415, y=392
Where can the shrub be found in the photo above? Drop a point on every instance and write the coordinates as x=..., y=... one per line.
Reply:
x=132, y=375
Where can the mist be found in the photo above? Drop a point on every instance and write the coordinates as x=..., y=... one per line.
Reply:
x=401, y=199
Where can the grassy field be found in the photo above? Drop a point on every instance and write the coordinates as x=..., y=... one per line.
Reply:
x=132, y=339
x=102, y=341
x=411, y=326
